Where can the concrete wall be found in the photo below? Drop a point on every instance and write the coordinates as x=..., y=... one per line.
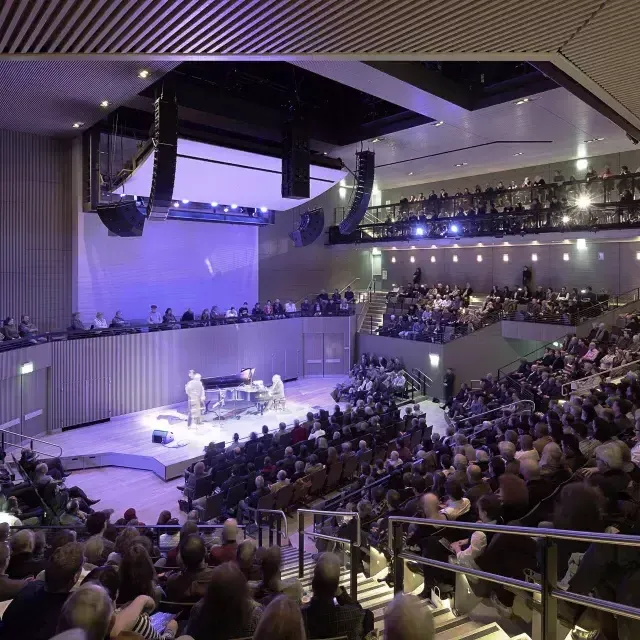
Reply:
x=175, y=263
x=568, y=168
x=613, y=266
x=35, y=228
x=79, y=381
x=292, y=272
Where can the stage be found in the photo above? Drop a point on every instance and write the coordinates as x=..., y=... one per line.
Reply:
x=125, y=441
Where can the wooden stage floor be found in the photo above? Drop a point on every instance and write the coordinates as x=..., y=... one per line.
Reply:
x=125, y=441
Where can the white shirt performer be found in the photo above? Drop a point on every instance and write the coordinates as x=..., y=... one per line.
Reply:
x=277, y=389
x=195, y=398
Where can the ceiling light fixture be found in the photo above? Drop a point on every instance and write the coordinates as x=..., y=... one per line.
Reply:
x=104, y=104
x=461, y=164
x=185, y=201
x=522, y=101
x=234, y=206
x=77, y=125
x=438, y=124
x=214, y=204
x=590, y=140
x=518, y=154
x=410, y=173
x=176, y=204
x=144, y=74
x=263, y=209
x=377, y=140
x=582, y=164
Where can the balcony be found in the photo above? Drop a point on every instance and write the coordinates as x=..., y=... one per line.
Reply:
x=594, y=205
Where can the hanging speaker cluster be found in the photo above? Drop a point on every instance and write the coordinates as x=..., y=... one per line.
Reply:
x=124, y=219
x=165, y=144
x=311, y=226
x=365, y=169
x=296, y=161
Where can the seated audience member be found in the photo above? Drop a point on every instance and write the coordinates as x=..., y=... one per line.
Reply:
x=228, y=549
x=456, y=505
x=22, y=563
x=278, y=309
x=305, y=308
x=476, y=487
x=118, y=321
x=281, y=619
x=34, y=611
x=154, y=317
x=227, y=592
x=9, y=587
x=27, y=329
x=323, y=618
x=252, y=501
x=271, y=584
x=231, y=313
x=243, y=313
x=169, y=320
x=205, y=317
x=282, y=481
x=268, y=310
x=406, y=618
x=89, y=608
x=76, y=322
x=290, y=307
x=246, y=560
x=137, y=574
x=190, y=584
x=10, y=330
x=99, y=322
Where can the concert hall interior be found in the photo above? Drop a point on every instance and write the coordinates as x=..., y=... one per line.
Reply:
x=359, y=279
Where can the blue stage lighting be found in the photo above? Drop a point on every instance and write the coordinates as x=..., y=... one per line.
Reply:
x=419, y=231
x=454, y=228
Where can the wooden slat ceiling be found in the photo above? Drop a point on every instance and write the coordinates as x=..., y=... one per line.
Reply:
x=598, y=37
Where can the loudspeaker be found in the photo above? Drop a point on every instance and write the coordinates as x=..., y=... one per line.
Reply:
x=295, y=161
x=365, y=169
x=311, y=226
x=161, y=437
x=123, y=219
x=165, y=143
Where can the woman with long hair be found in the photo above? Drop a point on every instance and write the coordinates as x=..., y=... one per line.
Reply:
x=281, y=620
x=137, y=574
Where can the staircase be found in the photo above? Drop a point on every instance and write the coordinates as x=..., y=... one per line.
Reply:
x=375, y=596
x=376, y=308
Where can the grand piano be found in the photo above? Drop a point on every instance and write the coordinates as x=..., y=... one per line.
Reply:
x=238, y=389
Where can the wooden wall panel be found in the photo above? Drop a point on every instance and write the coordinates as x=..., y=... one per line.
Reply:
x=35, y=228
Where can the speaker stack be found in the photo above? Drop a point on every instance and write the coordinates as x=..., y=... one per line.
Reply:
x=365, y=169
x=296, y=161
x=165, y=143
x=160, y=436
x=311, y=226
x=124, y=219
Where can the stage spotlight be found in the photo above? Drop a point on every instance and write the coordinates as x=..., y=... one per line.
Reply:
x=185, y=201
x=214, y=204
x=454, y=228
x=176, y=204
x=263, y=209
x=419, y=231
x=583, y=202
x=234, y=206
x=226, y=209
x=565, y=219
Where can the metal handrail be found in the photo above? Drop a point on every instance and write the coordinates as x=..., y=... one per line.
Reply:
x=502, y=408
x=31, y=440
x=278, y=512
x=596, y=378
x=354, y=546
x=548, y=589
x=348, y=285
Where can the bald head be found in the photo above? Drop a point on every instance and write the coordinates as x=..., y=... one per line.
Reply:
x=474, y=474
x=230, y=530
x=430, y=504
x=407, y=619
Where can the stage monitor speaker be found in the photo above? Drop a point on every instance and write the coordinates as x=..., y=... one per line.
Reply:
x=123, y=219
x=365, y=170
x=310, y=229
x=160, y=436
x=295, y=161
x=165, y=143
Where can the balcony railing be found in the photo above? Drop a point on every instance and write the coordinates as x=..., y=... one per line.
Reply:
x=598, y=191
x=76, y=334
x=595, y=217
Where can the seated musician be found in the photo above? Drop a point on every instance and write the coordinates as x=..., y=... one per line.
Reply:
x=277, y=390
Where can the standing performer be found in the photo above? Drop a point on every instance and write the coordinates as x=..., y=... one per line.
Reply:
x=195, y=398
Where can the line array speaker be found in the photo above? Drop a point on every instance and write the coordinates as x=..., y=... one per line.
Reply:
x=165, y=143
x=295, y=161
x=124, y=219
x=310, y=229
x=365, y=170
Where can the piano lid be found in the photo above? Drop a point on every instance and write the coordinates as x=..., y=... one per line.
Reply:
x=225, y=382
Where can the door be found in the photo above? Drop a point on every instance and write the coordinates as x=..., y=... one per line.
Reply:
x=34, y=402
x=334, y=354
x=313, y=354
